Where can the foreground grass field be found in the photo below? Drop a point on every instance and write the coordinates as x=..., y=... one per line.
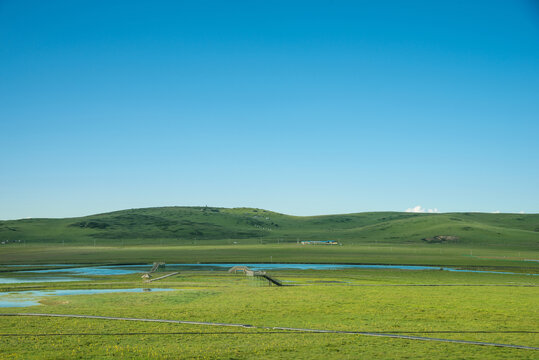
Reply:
x=358, y=300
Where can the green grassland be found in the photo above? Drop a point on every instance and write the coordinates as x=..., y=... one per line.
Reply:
x=357, y=300
x=413, y=254
x=205, y=225
x=485, y=307
x=202, y=234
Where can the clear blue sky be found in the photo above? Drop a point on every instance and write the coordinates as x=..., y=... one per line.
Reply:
x=302, y=107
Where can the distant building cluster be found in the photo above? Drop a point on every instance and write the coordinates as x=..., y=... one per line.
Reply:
x=4, y=242
x=322, y=242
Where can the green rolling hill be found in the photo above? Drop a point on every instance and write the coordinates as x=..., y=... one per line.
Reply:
x=209, y=225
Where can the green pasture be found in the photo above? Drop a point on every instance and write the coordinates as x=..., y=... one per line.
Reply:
x=486, y=307
x=172, y=226
x=418, y=254
x=357, y=300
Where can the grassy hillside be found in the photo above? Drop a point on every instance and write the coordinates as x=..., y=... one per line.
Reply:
x=206, y=225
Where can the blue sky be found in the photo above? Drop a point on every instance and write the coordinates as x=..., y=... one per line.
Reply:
x=302, y=107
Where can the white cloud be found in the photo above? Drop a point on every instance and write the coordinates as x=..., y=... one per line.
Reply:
x=521, y=212
x=419, y=209
x=496, y=212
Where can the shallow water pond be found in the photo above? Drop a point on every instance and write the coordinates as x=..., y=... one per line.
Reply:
x=32, y=298
x=97, y=270
x=32, y=279
x=133, y=269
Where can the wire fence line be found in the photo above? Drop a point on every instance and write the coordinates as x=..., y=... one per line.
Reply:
x=284, y=329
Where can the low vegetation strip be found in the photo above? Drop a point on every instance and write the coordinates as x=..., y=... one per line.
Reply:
x=472, y=285
x=377, y=334
x=249, y=333
x=152, y=333
x=129, y=319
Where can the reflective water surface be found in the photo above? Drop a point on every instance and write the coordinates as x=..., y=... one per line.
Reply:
x=63, y=274
x=31, y=298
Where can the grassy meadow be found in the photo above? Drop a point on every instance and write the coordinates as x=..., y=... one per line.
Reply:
x=417, y=254
x=213, y=226
x=202, y=234
x=357, y=300
x=486, y=307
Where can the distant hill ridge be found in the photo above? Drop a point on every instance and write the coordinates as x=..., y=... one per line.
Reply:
x=187, y=225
